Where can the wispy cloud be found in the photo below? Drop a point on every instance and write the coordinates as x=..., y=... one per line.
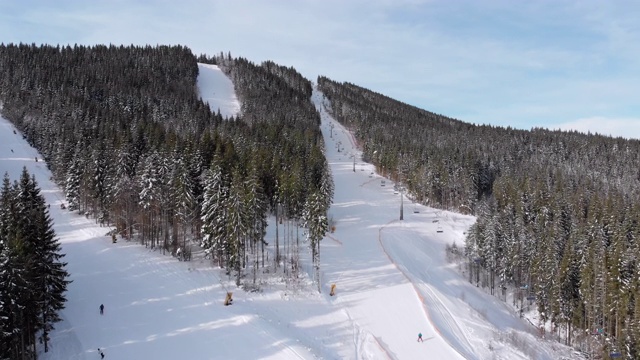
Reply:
x=522, y=64
x=625, y=127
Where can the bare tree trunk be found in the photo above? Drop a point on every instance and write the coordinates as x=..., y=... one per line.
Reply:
x=316, y=260
x=278, y=221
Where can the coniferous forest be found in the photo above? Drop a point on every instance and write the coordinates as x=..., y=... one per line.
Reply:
x=125, y=134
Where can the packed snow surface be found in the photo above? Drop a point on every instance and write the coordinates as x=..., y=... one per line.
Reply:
x=217, y=89
x=392, y=281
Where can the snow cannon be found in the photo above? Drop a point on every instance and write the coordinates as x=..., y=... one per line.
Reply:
x=229, y=299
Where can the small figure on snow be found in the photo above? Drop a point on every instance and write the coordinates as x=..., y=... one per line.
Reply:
x=420, y=337
x=101, y=309
x=101, y=353
x=113, y=238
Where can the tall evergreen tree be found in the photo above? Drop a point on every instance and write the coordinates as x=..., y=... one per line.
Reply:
x=315, y=219
x=215, y=213
x=33, y=277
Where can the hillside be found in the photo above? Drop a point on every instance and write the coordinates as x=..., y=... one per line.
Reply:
x=558, y=214
x=157, y=306
x=155, y=147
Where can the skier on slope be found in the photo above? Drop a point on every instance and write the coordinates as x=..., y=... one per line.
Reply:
x=101, y=353
x=101, y=309
x=420, y=337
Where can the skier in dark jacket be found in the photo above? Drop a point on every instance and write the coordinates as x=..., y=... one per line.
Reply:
x=101, y=353
x=101, y=309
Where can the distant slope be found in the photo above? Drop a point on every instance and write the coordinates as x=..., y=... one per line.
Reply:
x=216, y=89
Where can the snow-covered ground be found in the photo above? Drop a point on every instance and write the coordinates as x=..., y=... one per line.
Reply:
x=217, y=90
x=392, y=282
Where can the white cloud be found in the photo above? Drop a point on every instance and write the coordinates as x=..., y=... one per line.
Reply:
x=617, y=127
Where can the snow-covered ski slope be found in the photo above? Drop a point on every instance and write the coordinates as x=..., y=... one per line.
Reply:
x=391, y=283
x=217, y=89
x=393, y=278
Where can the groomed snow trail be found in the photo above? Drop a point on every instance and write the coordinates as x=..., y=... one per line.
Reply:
x=393, y=278
x=373, y=291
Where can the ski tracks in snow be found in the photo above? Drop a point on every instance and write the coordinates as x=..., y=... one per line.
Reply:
x=366, y=346
x=451, y=333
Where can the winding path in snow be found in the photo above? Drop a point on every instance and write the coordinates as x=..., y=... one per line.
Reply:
x=369, y=309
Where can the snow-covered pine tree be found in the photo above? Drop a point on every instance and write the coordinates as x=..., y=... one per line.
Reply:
x=6, y=269
x=32, y=275
x=14, y=286
x=214, y=213
x=50, y=275
x=315, y=219
x=327, y=187
x=123, y=194
x=149, y=199
x=257, y=208
x=73, y=181
x=184, y=201
x=237, y=224
x=99, y=167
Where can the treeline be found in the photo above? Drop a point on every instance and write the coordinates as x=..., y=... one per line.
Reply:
x=127, y=136
x=557, y=212
x=33, y=280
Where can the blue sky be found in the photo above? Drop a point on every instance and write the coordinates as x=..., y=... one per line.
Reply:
x=524, y=64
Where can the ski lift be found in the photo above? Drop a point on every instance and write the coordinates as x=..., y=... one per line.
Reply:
x=439, y=230
x=615, y=354
x=382, y=183
x=435, y=221
x=415, y=209
x=531, y=297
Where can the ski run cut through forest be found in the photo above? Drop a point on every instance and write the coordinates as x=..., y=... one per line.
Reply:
x=391, y=279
